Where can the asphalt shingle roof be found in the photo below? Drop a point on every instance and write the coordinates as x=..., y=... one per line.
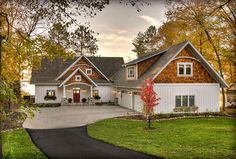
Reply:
x=50, y=70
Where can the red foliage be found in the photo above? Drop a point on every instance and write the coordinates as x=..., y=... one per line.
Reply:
x=149, y=96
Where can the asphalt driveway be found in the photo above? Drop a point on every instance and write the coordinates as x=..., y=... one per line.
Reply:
x=73, y=116
x=74, y=143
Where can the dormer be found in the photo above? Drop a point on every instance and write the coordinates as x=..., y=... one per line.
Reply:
x=131, y=72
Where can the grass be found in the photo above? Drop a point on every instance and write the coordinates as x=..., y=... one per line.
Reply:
x=18, y=145
x=180, y=138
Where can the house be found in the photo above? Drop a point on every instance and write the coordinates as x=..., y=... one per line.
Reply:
x=181, y=75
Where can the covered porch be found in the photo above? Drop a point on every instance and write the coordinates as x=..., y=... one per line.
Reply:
x=76, y=93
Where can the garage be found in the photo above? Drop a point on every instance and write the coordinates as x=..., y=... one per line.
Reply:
x=126, y=100
x=138, y=104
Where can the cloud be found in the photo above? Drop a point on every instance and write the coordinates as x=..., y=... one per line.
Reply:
x=150, y=20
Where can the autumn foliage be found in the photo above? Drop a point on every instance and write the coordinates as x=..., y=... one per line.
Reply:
x=149, y=96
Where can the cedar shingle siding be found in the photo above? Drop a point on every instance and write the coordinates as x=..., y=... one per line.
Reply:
x=169, y=74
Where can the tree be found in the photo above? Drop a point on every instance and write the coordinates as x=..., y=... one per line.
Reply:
x=83, y=41
x=149, y=98
x=213, y=27
x=145, y=42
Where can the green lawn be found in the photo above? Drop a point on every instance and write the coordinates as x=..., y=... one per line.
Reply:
x=18, y=145
x=180, y=138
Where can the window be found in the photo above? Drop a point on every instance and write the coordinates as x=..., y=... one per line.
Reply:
x=130, y=72
x=184, y=100
x=185, y=69
x=88, y=71
x=78, y=78
x=51, y=93
x=178, y=101
x=95, y=93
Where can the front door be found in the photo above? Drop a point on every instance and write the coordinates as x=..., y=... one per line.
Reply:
x=76, y=95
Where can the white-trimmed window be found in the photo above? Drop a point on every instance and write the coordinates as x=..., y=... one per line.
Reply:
x=185, y=69
x=78, y=78
x=51, y=93
x=184, y=100
x=131, y=72
x=89, y=71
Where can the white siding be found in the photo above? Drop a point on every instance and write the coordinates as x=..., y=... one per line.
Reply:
x=41, y=91
x=126, y=100
x=105, y=92
x=206, y=96
x=138, y=104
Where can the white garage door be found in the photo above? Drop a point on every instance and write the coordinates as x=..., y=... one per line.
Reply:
x=126, y=100
x=138, y=104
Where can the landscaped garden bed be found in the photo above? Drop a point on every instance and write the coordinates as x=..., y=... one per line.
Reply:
x=176, y=115
x=180, y=138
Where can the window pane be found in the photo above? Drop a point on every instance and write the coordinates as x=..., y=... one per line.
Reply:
x=95, y=93
x=131, y=72
x=181, y=69
x=177, y=101
x=188, y=69
x=191, y=100
x=51, y=93
x=185, y=101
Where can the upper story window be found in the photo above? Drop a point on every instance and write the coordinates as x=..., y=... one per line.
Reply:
x=185, y=69
x=89, y=71
x=131, y=72
x=78, y=78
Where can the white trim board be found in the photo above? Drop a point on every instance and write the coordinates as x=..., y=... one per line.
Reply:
x=78, y=69
x=68, y=68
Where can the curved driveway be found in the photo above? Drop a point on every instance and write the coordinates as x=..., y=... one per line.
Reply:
x=73, y=116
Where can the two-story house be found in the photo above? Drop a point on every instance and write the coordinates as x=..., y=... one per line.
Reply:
x=181, y=75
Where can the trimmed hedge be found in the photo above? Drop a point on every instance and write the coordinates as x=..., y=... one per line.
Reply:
x=44, y=105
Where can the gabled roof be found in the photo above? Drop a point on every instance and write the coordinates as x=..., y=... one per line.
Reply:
x=51, y=69
x=165, y=58
x=145, y=57
x=73, y=73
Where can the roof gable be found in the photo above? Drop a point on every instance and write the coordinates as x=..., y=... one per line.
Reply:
x=73, y=73
x=76, y=62
x=199, y=57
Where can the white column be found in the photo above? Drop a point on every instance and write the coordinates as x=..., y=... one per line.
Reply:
x=91, y=91
x=64, y=91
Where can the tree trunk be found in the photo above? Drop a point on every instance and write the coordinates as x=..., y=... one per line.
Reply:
x=149, y=122
x=218, y=59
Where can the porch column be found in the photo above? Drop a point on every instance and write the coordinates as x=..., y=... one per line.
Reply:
x=91, y=91
x=64, y=91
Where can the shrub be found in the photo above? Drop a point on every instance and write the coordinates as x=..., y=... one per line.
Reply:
x=50, y=98
x=84, y=100
x=97, y=97
x=70, y=100
x=186, y=109
x=98, y=103
x=43, y=105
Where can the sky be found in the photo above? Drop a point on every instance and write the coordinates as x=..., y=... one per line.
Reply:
x=118, y=24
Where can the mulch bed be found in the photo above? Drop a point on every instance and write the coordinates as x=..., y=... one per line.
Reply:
x=174, y=115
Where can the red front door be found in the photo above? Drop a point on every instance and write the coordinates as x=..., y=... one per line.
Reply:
x=76, y=95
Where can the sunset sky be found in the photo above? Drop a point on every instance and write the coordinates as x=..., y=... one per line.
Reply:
x=119, y=24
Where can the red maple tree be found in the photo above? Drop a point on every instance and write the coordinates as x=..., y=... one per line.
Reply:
x=149, y=98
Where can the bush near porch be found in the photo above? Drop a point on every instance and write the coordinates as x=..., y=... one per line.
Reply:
x=208, y=138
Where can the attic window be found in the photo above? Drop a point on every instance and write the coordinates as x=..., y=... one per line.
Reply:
x=78, y=78
x=89, y=71
x=185, y=69
x=130, y=72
